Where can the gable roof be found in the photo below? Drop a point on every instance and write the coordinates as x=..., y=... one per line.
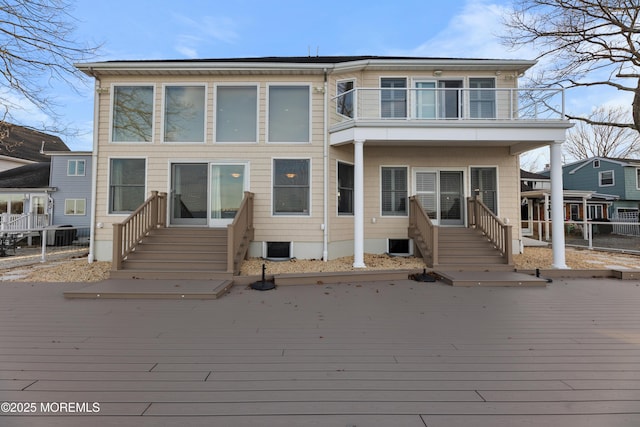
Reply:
x=24, y=143
x=34, y=175
x=584, y=162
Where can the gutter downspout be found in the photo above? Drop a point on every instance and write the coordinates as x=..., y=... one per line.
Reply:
x=325, y=225
x=94, y=167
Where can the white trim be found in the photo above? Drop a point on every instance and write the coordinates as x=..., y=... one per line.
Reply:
x=353, y=92
x=75, y=204
x=637, y=178
x=267, y=111
x=613, y=178
x=77, y=161
x=163, y=111
x=291, y=215
x=466, y=183
x=146, y=177
x=112, y=93
x=337, y=188
x=470, y=191
x=409, y=183
x=214, y=120
x=410, y=244
x=407, y=100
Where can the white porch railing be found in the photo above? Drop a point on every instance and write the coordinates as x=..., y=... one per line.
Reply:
x=449, y=104
x=27, y=221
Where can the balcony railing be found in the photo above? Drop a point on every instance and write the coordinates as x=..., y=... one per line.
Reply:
x=448, y=104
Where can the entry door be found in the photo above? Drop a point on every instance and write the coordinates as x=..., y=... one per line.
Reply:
x=450, y=102
x=189, y=194
x=227, y=184
x=441, y=195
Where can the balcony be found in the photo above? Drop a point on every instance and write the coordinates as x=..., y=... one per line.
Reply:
x=449, y=104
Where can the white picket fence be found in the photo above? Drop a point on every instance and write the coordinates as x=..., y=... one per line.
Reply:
x=626, y=223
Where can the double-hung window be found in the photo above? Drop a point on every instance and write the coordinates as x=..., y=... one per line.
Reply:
x=394, y=191
x=289, y=113
x=75, y=167
x=482, y=98
x=291, y=182
x=393, y=97
x=132, y=118
x=345, y=189
x=126, y=185
x=184, y=113
x=237, y=113
x=606, y=178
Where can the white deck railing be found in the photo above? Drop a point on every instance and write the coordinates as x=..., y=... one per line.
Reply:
x=449, y=104
x=27, y=221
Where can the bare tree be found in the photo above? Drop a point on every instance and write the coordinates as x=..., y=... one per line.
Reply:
x=585, y=140
x=37, y=47
x=585, y=43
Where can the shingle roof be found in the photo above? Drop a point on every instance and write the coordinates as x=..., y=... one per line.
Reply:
x=34, y=175
x=24, y=143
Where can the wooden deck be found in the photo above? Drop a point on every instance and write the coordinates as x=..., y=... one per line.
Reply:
x=398, y=353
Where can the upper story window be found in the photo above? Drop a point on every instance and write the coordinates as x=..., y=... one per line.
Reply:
x=75, y=167
x=344, y=104
x=237, y=113
x=606, y=178
x=638, y=178
x=289, y=113
x=184, y=113
x=482, y=98
x=596, y=164
x=132, y=119
x=393, y=98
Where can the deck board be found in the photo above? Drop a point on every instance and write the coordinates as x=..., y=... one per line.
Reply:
x=395, y=353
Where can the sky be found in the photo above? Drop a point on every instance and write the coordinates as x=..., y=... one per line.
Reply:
x=162, y=29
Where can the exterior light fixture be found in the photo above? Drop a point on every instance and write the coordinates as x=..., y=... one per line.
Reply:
x=437, y=73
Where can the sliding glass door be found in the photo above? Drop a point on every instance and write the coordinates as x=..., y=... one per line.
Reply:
x=206, y=194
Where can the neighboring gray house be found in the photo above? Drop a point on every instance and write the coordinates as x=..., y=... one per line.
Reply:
x=618, y=177
x=70, y=175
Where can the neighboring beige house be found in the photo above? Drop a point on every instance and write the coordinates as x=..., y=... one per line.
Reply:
x=331, y=148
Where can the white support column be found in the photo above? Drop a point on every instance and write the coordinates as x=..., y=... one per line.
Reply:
x=557, y=210
x=358, y=204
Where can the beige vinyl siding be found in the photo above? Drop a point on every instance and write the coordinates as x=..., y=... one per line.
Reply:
x=460, y=158
x=259, y=156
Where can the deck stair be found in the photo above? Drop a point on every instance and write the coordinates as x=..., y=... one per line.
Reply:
x=178, y=253
x=467, y=249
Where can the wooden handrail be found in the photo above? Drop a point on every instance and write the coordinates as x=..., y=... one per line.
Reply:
x=498, y=232
x=239, y=234
x=423, y=232
x=127, y=234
